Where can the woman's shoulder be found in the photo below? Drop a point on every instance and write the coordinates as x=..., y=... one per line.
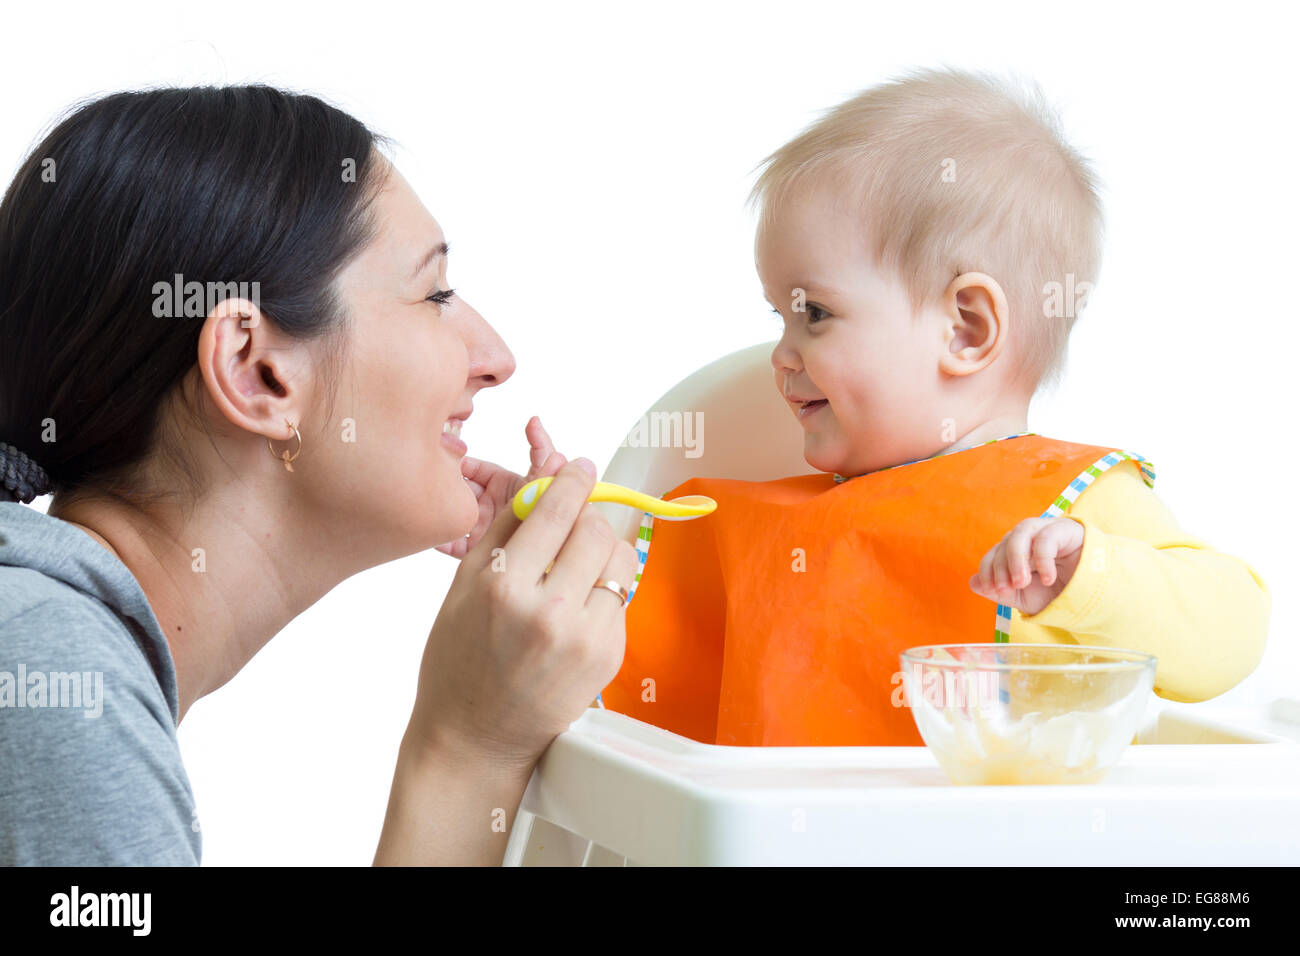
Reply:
x=43, y=618
x=63, y=593
x=90, y=766
x=92, y=772
x=46, y=619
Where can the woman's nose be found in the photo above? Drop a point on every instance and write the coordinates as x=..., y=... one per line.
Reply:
x=490, y=360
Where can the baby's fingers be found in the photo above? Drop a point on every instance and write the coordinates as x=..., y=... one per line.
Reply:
x=541, y=450
x=1000, y=572
x=1018, y=544
x=1061, y=537
x=1043, y=551
x=455, y=549
x=982, y=580
x=537, y=435
x=997, y=568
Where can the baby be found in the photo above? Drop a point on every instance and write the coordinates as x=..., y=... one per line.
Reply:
x=928, y=245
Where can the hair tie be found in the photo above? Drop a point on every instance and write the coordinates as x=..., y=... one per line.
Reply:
x=23, y=479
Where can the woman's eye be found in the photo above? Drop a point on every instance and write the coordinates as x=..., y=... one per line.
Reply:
x=442, y=297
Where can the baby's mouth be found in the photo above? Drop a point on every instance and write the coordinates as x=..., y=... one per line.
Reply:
x=809, y=408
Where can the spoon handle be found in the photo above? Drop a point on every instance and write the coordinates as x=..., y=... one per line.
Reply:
x=527, y=497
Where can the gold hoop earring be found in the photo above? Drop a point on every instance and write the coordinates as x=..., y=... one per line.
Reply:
x=284, y=456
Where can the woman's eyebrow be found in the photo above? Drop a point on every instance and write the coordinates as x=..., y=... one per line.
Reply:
x=441, y=249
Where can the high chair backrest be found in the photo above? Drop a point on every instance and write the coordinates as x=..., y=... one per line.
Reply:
x=725, y=421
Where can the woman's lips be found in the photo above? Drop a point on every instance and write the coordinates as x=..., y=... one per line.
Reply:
x=811, y=408
x=451, y=436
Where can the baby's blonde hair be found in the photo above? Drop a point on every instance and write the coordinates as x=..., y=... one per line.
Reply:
x=962, y=172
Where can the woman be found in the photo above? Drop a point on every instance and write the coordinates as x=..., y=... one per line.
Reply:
x=180, y=539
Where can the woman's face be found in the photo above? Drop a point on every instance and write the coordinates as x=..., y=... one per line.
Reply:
x=416, y=360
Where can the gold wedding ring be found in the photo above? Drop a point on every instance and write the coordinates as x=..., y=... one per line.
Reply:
x=613, y=586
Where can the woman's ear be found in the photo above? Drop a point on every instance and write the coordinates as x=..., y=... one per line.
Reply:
x=247, y=367
x=976, y=323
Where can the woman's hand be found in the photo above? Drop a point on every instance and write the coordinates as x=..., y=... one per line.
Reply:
x=1032, y=563
x=517, y=654
x=494, y=486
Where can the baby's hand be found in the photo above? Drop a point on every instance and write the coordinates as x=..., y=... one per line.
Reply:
x=494, y=486
x=1031, y=565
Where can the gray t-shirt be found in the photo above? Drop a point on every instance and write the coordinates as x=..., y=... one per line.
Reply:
x=90, y=768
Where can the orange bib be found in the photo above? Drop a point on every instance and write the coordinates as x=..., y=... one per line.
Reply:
x=778, y=619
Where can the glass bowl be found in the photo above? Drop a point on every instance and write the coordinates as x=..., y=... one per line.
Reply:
x=1026, y=713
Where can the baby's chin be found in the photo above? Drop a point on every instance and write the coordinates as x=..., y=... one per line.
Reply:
x=828, y=456
x=836, y=457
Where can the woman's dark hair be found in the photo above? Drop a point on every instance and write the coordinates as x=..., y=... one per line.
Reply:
x=237, y=184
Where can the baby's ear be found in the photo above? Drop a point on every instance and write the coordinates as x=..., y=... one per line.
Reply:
x=975, y=315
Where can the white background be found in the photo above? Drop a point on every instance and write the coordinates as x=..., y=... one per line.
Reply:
x=589, y=166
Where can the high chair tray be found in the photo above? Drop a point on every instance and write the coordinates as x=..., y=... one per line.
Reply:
x=613, y=791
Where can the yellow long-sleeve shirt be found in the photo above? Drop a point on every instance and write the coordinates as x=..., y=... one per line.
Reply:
x=1144, y=584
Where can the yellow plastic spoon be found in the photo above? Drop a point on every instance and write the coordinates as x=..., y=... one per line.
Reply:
x=676, y=509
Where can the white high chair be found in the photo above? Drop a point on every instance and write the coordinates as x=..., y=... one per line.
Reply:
x=614, y=791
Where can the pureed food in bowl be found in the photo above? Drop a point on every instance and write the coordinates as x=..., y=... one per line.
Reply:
x=1026, y=713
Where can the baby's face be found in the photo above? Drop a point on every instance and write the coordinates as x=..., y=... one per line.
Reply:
x=859, y=372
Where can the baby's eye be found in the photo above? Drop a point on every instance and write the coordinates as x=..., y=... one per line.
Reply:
x=815, y=313
x=441, y=297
